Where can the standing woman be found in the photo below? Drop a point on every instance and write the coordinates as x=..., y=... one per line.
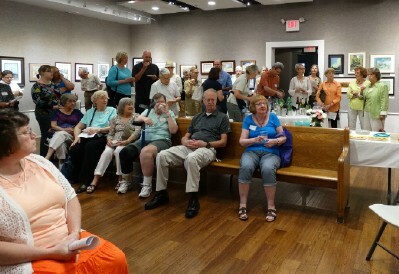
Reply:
x=213, y=83
x=356, y=88
x=193, y=107
x=120, y=79
x=329, y=97
x=261, y=135
x=6, y=78
x=44, y=96
x=86, y=151
x=236, y=100
x=300, y=86
x=315, y=81
x=377, y=102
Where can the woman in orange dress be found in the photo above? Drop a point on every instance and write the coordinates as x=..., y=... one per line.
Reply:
x=41, y=214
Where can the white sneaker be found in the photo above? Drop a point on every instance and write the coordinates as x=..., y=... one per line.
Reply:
x=119, y=184
x=124, y=187
x=145, y=192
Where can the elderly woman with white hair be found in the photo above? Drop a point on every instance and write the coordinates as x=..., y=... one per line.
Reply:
x=90, y=140
x=121, y=133
x=63, y=121
x=120, y=79
x=300, y=87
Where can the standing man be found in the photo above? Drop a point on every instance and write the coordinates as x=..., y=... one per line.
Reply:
x=270, y=82
x=90, y=83
x=225, y=81
x=207, y=132
x=145, y=74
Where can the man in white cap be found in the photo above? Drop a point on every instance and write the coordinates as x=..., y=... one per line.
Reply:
x=90, y=83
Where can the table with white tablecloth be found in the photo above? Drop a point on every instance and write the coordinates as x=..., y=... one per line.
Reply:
x=298, y=120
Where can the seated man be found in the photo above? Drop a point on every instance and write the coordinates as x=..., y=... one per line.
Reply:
x=161, y=123
x=207, y=131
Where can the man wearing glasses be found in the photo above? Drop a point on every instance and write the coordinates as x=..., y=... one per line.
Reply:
x=9, y=91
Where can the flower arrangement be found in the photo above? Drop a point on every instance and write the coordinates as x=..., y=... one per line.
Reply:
x=318, y=117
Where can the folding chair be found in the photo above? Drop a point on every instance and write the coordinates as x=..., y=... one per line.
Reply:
x=390, y=214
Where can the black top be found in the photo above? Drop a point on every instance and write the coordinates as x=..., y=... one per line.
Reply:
x=208, y=128
x=6, y=95
x=143, y=86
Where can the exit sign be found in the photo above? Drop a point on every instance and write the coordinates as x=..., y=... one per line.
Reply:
x=292, y=25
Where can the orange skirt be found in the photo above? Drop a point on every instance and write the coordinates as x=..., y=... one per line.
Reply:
x=105, y=258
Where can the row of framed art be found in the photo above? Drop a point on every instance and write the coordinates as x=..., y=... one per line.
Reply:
x=384, y=62
x=389, y=81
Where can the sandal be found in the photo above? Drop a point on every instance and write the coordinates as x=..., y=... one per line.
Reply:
x=271, y=215
x=91, y=188
x=242, y=214
x=81, y=189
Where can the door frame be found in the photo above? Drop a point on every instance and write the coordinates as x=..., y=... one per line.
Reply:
x=271, y=46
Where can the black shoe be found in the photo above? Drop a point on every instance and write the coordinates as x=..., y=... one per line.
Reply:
x=81, y=189
x=192, y=208
x=161, y=198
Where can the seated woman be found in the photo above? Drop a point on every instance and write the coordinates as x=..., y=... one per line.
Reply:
x=63, y=121
x=36, y=239
x=86, y=149
x=121, y=133
x=261, y=135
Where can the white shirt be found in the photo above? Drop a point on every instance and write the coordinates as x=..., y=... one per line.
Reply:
x=176, y=79
x=14, y=87
x=170, y=91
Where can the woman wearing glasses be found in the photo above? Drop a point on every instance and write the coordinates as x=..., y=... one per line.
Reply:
x=262, y=135
x=36, y=238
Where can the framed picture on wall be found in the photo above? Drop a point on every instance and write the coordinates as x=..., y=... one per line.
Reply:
x=65, y=69
x=206, y=67
x=34, y=70
x=102, y=71
x=79, y=67
x=354, y=60
x=229, y=66
x=336, y=61
x=185, y=67
x=246, y=63
x=17, y=66
x=385, y=63
x=344, y=82
x=137, y=60
x=390, y=82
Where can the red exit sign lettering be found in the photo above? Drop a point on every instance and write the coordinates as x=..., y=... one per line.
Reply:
x=292, y=25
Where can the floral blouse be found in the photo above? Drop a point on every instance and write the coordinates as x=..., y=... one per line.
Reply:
x=44, y=96
x=118, y=128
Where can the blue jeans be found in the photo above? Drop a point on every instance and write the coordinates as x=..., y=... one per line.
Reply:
x=266, y=161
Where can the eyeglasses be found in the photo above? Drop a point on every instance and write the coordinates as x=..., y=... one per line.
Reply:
x=8, y=77
x=29, y=131
x=261, y=104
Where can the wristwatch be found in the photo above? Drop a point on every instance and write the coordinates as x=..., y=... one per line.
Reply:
x=208, y=145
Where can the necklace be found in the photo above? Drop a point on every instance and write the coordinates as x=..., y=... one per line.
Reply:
x=261, y=124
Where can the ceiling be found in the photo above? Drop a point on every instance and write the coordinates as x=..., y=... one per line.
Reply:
x=143, y=11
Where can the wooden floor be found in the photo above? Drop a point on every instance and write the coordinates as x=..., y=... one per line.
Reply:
x=305, y=238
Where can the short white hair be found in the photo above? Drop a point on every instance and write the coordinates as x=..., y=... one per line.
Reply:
x=164, y=71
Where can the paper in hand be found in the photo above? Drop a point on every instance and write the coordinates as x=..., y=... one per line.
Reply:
x=84, y=244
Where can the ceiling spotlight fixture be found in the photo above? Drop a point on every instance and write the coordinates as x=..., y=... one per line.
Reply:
x=155, y=8
x=139, y=18
x=248, y=3
x=282, y=21
x=131, y=2
x=301, y=20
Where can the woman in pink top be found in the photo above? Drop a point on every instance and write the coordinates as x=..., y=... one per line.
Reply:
x=41, y=214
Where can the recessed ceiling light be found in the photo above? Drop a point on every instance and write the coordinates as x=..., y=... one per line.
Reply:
x=131, y=2
x=155, y=8
x=211, y=3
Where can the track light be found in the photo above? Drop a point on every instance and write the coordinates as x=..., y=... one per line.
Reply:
x=282, y=21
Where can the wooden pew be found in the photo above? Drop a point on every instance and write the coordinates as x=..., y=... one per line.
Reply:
x=320, y=159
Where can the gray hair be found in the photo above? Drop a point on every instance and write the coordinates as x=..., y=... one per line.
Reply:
x=376, y=72
x=251, y=69
x=164, y=71
x=98, y=94
x=120, y=55
x=122, y=103
x=66, y=97
x=298, y=65
x=278, y=65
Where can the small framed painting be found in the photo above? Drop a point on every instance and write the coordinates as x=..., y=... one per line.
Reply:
x=355, y=60
x=246, y=63
x=336, y=61
x=17, y=66
x=34, y=70
x=102, y=71
x=137, y=60
x=229, y=66
x=390, y=82
x=185, y=67
x=79, y=67
x=65, y=69
x=344, y=82
x=385, y=63
x=206, y=67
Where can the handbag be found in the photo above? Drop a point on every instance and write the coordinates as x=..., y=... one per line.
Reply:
x=67, y=168
x=285, y=149
x=322, y=95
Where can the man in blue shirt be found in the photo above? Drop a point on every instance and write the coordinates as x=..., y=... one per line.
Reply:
x=225, y=81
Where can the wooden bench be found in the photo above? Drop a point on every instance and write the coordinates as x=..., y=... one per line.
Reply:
x=320, y=159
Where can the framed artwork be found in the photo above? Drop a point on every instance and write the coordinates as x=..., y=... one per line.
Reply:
x=34, y=70
x=354, y=60
x=65, y=69
x=185, y=67
x=385, y=63
x=17, y=66
x=80, y=66
x=246, y=63
x=229, y=66
x=344, y=82
x=136, y=60
x=336, y=61
x=102, y=71
x=390, y=82
x=206, y=67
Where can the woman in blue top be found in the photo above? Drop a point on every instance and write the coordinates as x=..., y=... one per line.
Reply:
x=90, y=140
x=120, y=79
x=261, y=135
